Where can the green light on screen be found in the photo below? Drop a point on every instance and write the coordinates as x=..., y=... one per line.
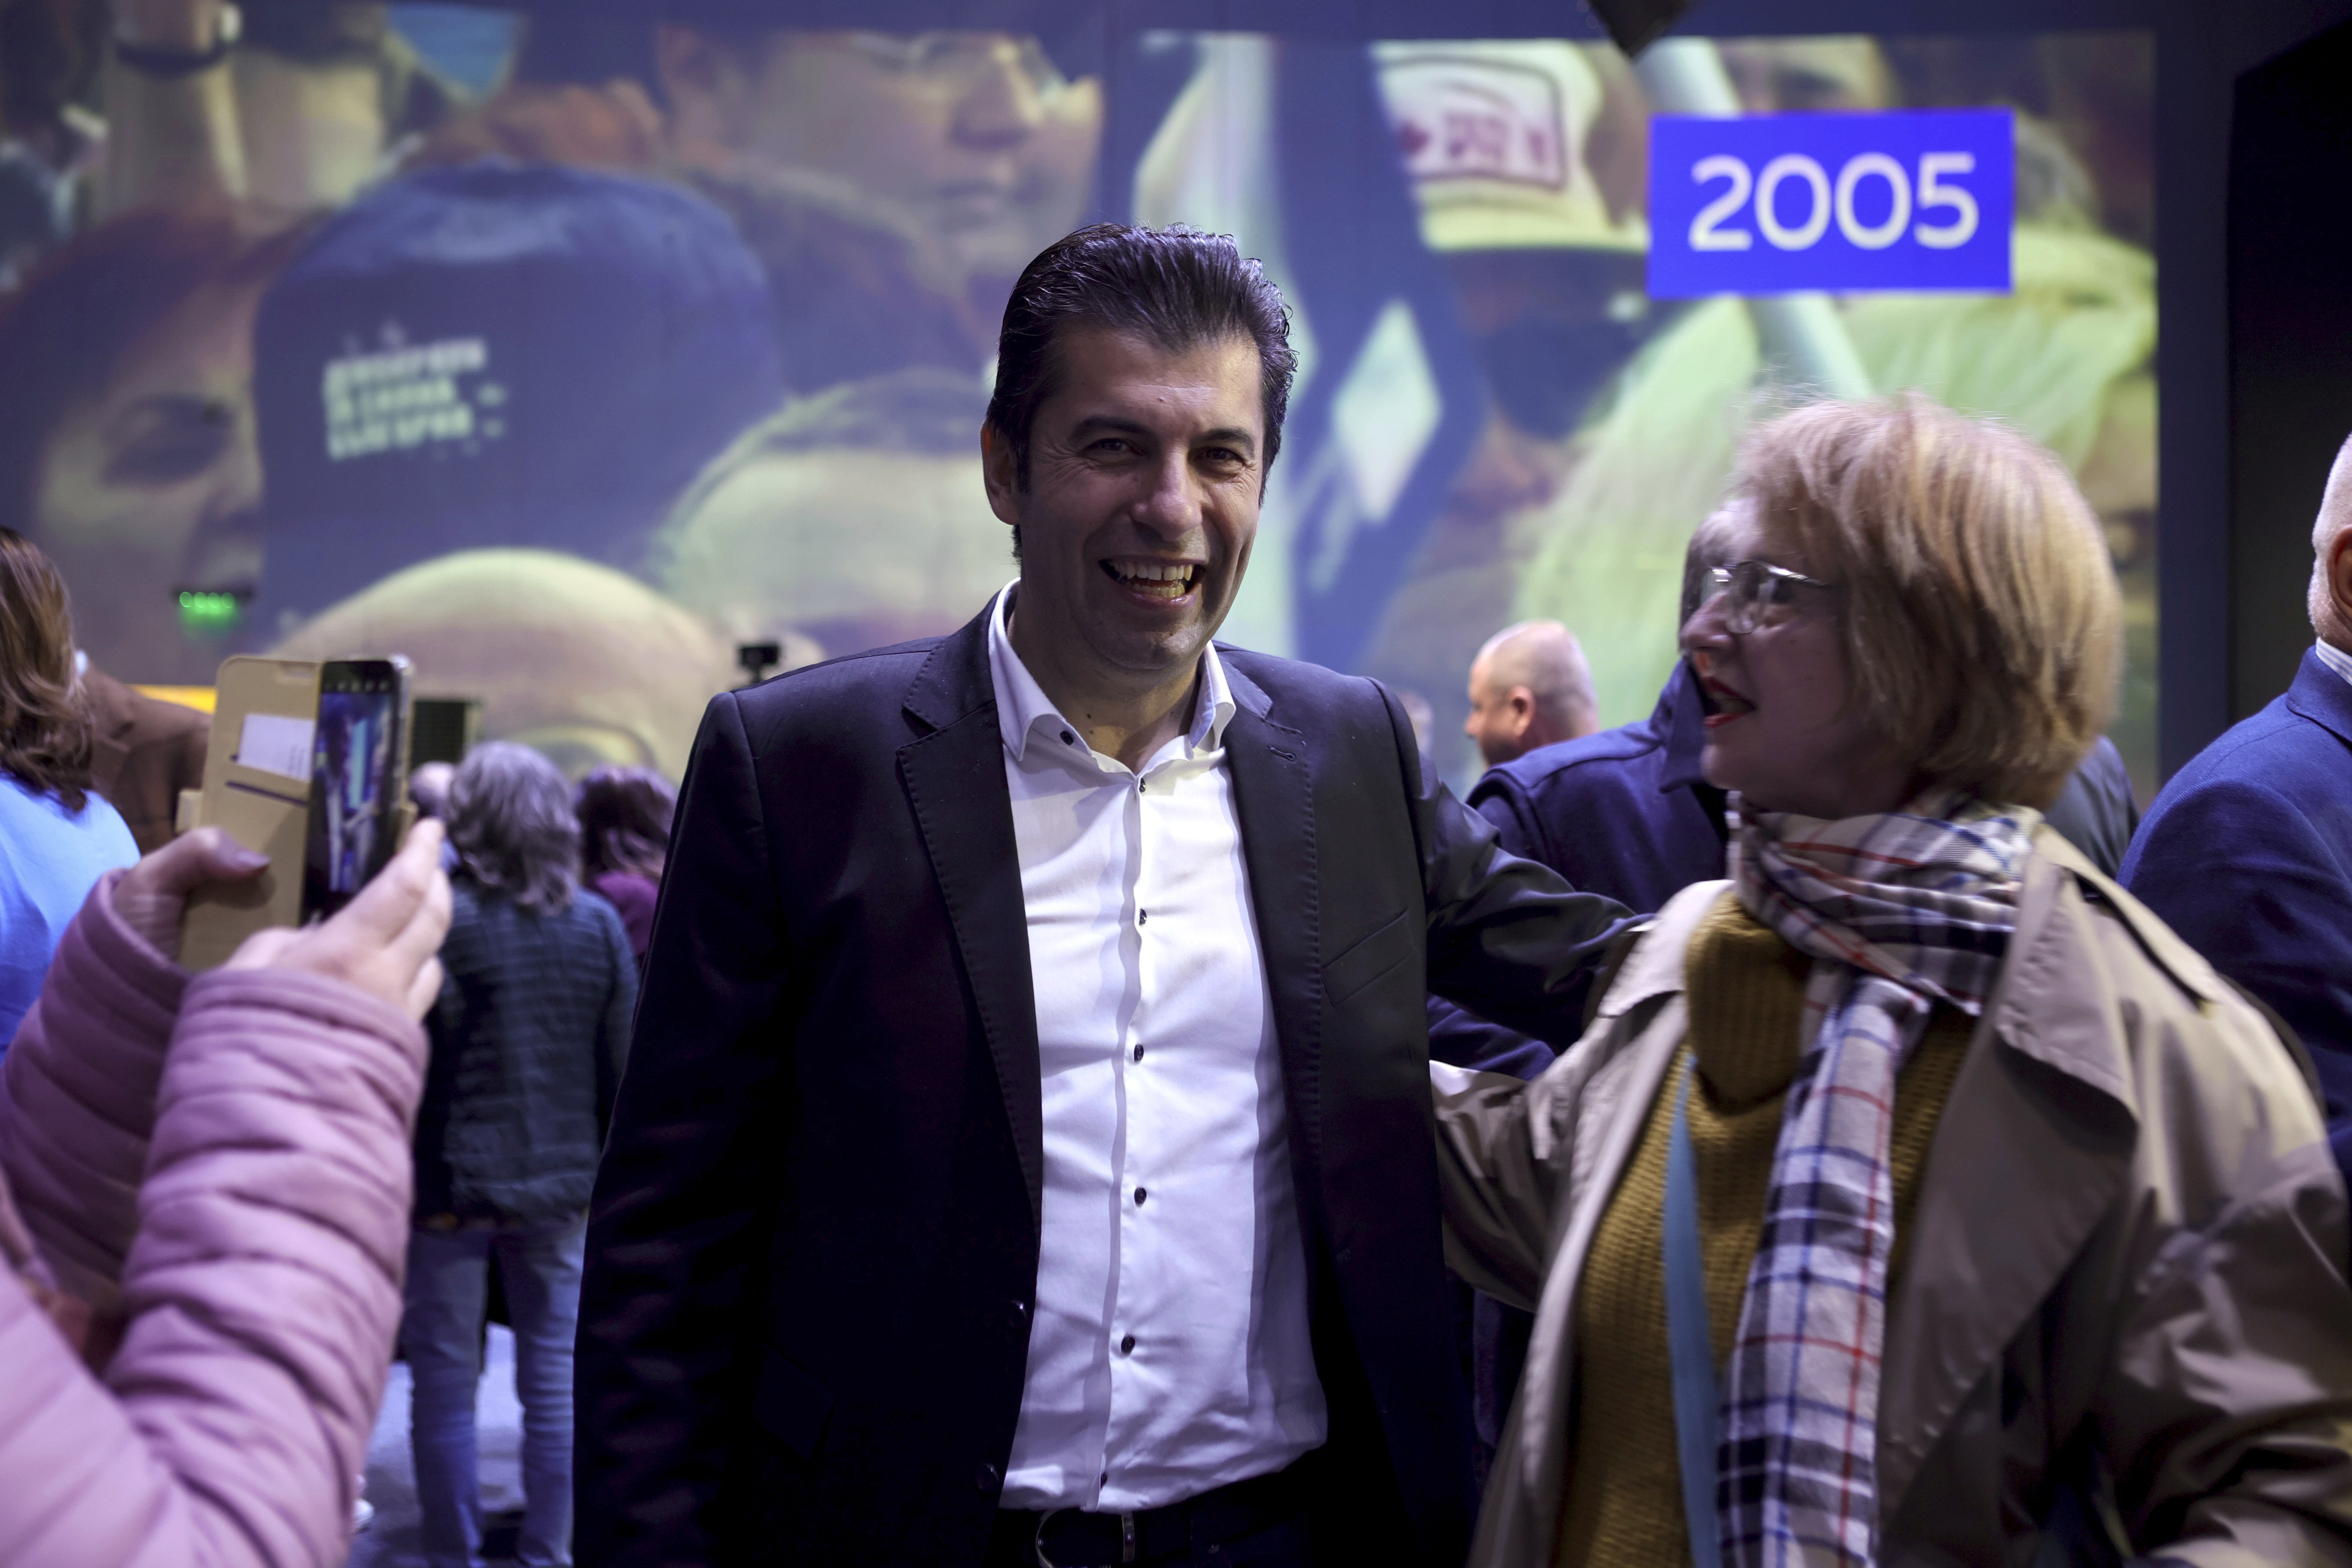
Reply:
x=202, y=611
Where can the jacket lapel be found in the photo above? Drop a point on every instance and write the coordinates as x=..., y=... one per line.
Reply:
x=1274, y=800
x=1985, y=1253
x=954, y=777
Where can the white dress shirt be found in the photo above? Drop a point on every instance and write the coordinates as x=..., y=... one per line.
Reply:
x=1168, y=1354
x=2335, y=658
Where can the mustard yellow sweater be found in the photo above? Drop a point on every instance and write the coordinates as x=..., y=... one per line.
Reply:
x=1745, y=990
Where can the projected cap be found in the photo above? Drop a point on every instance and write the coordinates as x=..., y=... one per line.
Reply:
x=1493, y=136
x=497, y=355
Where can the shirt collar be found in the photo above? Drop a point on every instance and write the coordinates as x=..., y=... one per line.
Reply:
x=1680, y=719
x=1022, y=705
x=2337, y=659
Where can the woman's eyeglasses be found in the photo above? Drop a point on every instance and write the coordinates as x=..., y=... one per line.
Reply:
x=1757, y=588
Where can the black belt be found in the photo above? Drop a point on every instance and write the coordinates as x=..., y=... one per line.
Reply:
x=1071, y=1538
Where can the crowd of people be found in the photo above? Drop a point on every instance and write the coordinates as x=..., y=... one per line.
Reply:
x=209, y=214
x=1072, y=1052
x=513, y=929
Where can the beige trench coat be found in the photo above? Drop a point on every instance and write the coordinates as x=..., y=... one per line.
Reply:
x=2129, y=1230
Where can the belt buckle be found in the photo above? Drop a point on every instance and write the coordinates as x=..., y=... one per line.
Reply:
x=1126, y=1538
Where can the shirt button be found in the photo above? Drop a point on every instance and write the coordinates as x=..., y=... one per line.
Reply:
x=1141, y=1194
x=984, y=1478
x=1017, y=1316
x=1142, y=916
x=1127, y=1345
x=1139, y=1053
x=1068, y=739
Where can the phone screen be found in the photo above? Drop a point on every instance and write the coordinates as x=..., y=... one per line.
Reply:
x=355, y=782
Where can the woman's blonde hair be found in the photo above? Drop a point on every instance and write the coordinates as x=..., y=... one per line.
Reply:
x=1983, y=629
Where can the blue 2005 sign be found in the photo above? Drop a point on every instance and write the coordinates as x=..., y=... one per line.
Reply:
x=1771, y=203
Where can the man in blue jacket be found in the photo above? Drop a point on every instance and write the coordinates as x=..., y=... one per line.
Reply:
x=2248, y=852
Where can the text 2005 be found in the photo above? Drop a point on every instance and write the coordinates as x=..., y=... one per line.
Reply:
x=1873, y=200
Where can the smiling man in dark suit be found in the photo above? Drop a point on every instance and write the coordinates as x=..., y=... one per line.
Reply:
x=1025, y=1154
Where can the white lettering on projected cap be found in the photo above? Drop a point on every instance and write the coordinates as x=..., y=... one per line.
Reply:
x=1472, y=119
x=276, y=743
x=405, y=395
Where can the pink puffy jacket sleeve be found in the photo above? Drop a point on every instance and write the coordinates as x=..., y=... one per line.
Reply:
x=77, y=1095
x=259, y=1264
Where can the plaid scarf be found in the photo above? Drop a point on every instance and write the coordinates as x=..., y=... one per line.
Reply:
x=1899, y=912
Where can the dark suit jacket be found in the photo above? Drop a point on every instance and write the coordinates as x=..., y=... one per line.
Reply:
x=813, y=1251
x=143, y=753
x=2248, y=854
x=1625, y=812
x=2096, y=811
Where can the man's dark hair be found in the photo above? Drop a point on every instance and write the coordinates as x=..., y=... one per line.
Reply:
x=1175, y=287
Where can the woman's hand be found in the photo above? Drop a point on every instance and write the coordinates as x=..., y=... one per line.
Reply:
x=152, y=894
x=384, y=941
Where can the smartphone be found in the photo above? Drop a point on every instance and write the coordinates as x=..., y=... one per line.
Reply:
x=358, y=770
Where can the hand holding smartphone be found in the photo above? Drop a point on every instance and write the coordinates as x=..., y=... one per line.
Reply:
x=309, y=765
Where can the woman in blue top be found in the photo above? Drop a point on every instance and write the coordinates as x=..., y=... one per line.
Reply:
x=57, y=840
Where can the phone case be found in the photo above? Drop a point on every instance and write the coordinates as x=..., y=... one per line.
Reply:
x=258, y=786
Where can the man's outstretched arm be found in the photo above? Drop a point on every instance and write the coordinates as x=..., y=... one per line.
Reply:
x=676, y=1216
x=1507, y=938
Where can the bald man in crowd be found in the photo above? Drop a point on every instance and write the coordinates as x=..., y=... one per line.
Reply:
x=1530, y=686
x=2248, y=852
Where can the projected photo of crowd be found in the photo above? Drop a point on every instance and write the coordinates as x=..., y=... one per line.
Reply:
x=565, y=352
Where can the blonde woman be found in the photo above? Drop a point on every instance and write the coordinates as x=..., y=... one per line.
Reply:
x=1915, y=1197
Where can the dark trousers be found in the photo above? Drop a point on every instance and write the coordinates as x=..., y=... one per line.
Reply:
x=1257, y=1523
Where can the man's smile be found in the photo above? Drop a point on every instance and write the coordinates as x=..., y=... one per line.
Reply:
x=1164, y=581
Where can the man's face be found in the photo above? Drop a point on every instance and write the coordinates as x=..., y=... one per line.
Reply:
x=1145, y=468
x=1500, y=717
x=972, y=140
